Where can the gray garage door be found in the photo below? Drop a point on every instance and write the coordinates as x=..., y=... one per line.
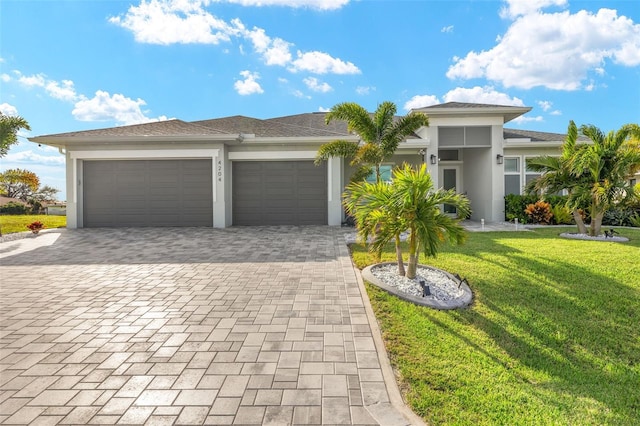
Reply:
x=279, y=193
x=147, y=193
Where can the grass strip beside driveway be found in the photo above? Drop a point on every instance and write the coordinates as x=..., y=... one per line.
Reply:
x=552, y=337
x=12, y=223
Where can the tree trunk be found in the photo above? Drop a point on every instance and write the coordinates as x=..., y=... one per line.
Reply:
x=401, y=270
x=582, y=228
x=413, y=258
x=596, y=224
x=378, y=173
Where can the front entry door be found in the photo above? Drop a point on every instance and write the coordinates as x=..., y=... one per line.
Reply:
x=450, y=179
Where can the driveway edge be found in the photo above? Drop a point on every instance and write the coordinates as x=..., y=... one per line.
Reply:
x=395, y=397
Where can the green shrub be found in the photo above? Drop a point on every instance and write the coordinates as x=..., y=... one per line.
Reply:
x=561, y=215
x=619, y=217
x=14, y=208
x=539, y=212
x=514, y=206
x=634, y=220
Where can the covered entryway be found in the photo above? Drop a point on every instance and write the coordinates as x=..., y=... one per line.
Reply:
x=279, y=193
x=137, y=193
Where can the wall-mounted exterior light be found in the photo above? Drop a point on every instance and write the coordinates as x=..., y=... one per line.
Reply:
x=434, y=159
x=500, y=159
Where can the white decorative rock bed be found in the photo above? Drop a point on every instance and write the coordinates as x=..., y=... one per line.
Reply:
x=575, y=236
x=446, y=291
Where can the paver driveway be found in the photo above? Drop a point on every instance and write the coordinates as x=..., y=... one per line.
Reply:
x=186, y=326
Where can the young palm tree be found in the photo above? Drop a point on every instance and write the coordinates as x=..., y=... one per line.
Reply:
x=380, y=132
x=372, y=207
x=384, y=211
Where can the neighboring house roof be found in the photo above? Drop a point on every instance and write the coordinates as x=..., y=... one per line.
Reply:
x=6, y=200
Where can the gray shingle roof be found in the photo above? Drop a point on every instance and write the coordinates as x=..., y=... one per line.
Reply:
x=159, y=128
x=456, y=105
x=283, y=127
x=537, y=136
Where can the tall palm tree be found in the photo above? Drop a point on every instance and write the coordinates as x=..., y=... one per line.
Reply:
x=9, y=127
x=408, y=203
x=380, y=133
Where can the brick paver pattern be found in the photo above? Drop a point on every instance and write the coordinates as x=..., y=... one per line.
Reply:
x=185, y=326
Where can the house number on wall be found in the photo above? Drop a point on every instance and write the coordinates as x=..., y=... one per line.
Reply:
x=219, y=174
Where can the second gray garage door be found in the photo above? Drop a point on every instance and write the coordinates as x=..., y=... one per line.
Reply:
x=279, y=193
x=121, y=193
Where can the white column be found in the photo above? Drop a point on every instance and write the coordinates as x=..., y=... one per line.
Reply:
x=334, y=191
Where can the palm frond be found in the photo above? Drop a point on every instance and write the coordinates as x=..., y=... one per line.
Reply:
x=357, y=118
x=337, y=148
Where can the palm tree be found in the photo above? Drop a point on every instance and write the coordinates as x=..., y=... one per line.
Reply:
x=595, y=175
x=376, y=216
x=380, y=132
x=383, y=211
x=557, y=176
x=9, y=127
x=606, y=165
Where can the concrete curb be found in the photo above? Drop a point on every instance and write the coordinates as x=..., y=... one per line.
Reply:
x=460, y=302
x=395, y=397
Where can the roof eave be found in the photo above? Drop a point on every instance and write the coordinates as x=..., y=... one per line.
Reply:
x=59, y=141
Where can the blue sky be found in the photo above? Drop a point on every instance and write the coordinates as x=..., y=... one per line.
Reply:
x=75, y=65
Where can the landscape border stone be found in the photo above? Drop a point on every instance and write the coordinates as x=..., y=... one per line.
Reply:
x=460, y=302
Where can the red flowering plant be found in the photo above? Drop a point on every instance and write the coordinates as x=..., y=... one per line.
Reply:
x=36, y=226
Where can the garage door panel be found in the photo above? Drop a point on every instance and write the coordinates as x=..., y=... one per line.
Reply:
x=147, y=193
x=279, y=193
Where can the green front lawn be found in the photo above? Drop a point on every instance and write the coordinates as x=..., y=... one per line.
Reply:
x=552, y=337
x=18, y=223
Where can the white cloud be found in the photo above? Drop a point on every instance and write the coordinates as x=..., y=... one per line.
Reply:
x=545, y=105
x=525, y=119
x=323, y=109
x=187, y=21
x=316, y=85
x=553, y=50
x=300, y=94
x=421, y=101
x=5, y=77
x=63, y=91
x=322, y=63
x=8, y=109
x=481, y=95
x=33, y=158
x=105, y=107
x=274, y=51
x=36, y=80
x=365, y=90
x=556, y=112
x=174, y=21
x=515, y=8
x=312, y=4
x=447, y=29
x=249, y=85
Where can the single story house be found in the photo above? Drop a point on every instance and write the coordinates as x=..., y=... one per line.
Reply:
x=247, y=171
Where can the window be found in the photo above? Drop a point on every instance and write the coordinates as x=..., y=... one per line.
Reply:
x=511, y=165
x=449, y=154
x=529, y=174
x=385, y=174
x=512, y=175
